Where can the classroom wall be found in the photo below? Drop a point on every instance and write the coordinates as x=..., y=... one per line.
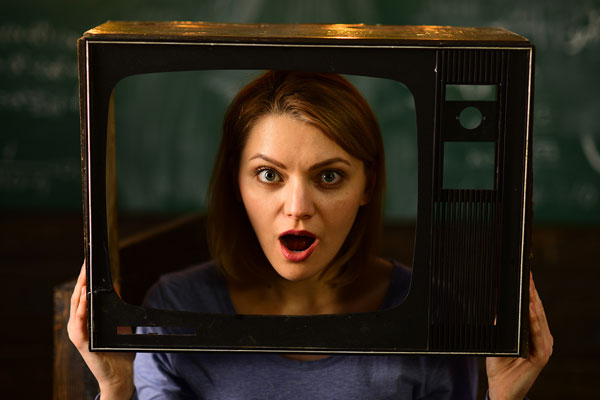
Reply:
x=40, y=200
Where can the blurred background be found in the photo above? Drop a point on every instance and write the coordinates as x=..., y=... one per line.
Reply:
x=41, y=234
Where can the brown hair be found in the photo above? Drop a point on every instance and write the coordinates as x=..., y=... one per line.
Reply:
x=330, y=103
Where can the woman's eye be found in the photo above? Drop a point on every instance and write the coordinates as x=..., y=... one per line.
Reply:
x=330, y=177
x=268, y=175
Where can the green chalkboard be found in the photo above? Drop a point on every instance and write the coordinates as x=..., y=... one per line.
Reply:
x=39, y=141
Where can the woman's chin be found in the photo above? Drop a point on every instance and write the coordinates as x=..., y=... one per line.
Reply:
x=295, y=272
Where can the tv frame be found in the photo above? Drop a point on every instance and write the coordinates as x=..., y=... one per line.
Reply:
x=440, y=315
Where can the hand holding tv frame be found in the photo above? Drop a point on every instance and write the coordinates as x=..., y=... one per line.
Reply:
x=468, y=291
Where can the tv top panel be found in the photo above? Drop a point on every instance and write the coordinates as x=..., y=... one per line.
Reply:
x=307, y=33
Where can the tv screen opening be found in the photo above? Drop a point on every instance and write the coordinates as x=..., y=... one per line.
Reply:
x=454, y=112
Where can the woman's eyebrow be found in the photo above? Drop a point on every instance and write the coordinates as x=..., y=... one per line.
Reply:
x=330, y=161
x=269, y=159
x=318, y=165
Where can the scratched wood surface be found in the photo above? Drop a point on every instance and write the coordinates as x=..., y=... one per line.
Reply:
x=305, y=33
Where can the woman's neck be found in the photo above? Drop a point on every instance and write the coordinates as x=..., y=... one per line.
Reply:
x=314, y=296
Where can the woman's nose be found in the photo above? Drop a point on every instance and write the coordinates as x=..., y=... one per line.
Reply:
x=299, y=203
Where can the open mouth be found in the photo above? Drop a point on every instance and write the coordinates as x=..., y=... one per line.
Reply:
x=297, y=243
x=297, y=246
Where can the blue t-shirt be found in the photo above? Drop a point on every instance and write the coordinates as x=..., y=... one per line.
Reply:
x=269, y=376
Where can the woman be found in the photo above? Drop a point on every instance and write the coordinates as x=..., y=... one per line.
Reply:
x=295, y=208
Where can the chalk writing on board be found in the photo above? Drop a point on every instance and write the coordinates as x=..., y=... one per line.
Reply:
x=586, y=195
x=39, y=34
x=27, y=64
x=546, y=151
x=36, y=62
x=38, y=102
x=590, y=150
x=20, y=175
x=580, y=37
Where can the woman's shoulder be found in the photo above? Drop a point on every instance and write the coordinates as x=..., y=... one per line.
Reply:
x=205, y=272
x=399, y=284
x=199, y=288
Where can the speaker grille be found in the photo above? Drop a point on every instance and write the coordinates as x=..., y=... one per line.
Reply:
x=476, y=67
x=465, y=270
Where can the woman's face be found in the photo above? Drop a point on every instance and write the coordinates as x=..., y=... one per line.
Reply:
x=301, y=192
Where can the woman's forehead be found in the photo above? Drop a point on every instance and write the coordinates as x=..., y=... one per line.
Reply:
x=285, y=138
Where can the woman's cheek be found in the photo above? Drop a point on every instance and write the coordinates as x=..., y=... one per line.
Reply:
x=346, y=201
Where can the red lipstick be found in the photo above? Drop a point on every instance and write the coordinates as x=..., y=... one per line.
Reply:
x=297, y=245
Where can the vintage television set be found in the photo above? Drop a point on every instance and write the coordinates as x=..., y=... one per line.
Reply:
x=469, y=289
